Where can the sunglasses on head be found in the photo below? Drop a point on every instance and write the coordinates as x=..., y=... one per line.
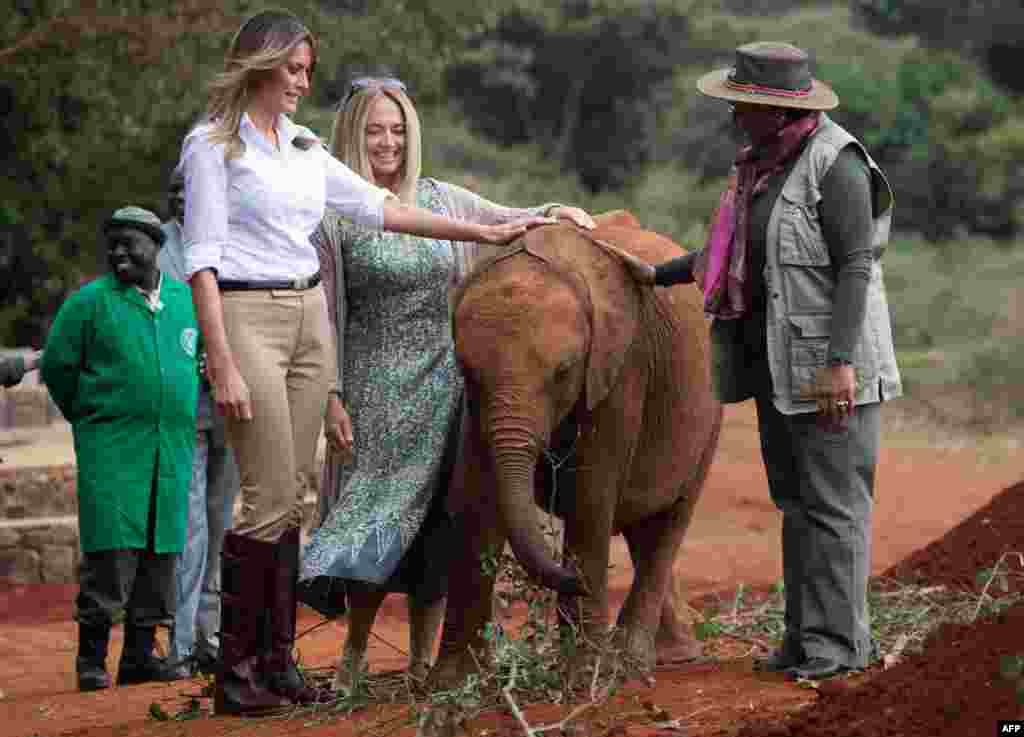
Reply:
x=365, y=83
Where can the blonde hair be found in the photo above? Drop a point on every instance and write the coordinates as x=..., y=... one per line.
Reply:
x=262, y=43
x=348, y=137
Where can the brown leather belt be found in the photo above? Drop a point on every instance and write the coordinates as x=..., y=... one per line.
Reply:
x=238, y=285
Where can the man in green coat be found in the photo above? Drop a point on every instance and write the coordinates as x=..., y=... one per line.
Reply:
x=120, y=363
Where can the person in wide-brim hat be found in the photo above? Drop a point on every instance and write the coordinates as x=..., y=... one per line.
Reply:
x=791, y=274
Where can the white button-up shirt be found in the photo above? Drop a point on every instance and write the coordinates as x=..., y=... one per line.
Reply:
x=251, y=217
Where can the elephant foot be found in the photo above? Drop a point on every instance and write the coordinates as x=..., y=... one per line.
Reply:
x=419, y=670
x=350, y=672
x=442, y=720
x=678, y=653
x=599, y=662
x=675, y=643
x=451, y=671
x=636, y=648
x=676, y=648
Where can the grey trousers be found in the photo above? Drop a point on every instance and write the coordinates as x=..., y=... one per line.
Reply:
x=823, y=483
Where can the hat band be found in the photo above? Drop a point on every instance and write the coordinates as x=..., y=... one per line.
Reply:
x=757, y=89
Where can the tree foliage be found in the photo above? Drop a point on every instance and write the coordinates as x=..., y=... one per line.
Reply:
x=946, y=135
x=990, y=31
x=96, y=96
x=586, y=81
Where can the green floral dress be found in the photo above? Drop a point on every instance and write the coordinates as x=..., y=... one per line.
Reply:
x=403, y=392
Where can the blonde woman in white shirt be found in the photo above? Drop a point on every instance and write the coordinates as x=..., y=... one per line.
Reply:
x=256, y=187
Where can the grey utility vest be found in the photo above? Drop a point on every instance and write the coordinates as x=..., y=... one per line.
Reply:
x=800, y=283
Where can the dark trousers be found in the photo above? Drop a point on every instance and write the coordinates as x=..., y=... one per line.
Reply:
x=139, y=581
x=823, y=483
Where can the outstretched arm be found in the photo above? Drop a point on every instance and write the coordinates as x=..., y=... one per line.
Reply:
x=679, y=270
x=467, y=205
x=370, y=206
x=403, y=218
x=471, y=207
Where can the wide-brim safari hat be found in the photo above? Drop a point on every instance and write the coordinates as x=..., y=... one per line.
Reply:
x=769, y=73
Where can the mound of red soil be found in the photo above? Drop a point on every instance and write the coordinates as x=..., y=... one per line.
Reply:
x=954, y=688
x=956, y=558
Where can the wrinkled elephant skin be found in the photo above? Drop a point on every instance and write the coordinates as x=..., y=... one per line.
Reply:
x=555, y=325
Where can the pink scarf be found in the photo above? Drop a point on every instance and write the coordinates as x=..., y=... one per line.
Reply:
x=722, y=267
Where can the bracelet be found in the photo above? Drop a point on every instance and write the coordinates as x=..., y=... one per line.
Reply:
x=838, y=359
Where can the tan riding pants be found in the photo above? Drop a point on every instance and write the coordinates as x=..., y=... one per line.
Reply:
x=282, y=343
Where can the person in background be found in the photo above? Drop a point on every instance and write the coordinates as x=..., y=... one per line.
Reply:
x=256, y=187
x=194, y=642
x=393, y=415
x=121, y=364
x=14, y=368
x=792, y=275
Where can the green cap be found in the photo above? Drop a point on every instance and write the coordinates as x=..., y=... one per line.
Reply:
x=138, y=218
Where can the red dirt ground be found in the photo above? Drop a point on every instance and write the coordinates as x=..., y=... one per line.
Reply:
x=945, y=509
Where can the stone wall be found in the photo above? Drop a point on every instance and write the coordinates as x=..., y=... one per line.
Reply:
x=39, y=505
x=38, y=525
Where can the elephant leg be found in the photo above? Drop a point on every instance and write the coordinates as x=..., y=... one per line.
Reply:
x=477, y=531
x=674, y=642
x=588, y=542
x=656, y=543
x=653, y=544
x=587, y=547
x=603, y=467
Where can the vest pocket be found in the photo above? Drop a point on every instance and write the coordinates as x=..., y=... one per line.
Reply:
x=809, y=338
x=800, y=239
x=804, y=263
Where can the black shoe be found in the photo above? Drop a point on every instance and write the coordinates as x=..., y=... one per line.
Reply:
x=816, y=669
x=178, y=670
x=93, y=678
x=91, y=663
x=151, y=669
x=778, y=661
x=204, y=663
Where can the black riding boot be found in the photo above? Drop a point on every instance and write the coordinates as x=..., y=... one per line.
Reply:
x=282, y=675
x=240, y=686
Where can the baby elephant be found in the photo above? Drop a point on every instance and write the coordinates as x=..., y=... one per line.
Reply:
x=556, y=341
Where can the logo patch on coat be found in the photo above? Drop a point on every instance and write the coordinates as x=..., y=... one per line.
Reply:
x=190, y=341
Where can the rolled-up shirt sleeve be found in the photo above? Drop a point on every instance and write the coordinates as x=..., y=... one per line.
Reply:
x=206, y=204
x=353, y=197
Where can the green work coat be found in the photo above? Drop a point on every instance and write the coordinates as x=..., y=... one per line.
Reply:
x=127, y=378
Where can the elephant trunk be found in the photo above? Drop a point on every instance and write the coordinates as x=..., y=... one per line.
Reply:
x=515, y=453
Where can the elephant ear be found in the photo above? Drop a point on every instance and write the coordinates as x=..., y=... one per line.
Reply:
x=615, y=317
